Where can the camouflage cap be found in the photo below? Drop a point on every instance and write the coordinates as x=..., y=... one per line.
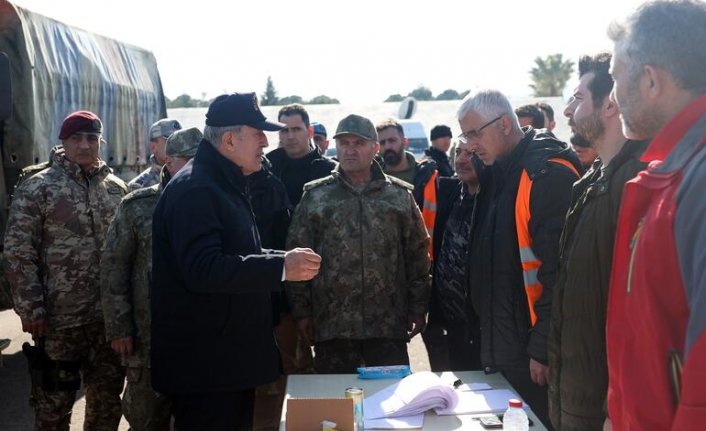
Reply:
x=164, y=128
x=357, y=125
x=184, y=143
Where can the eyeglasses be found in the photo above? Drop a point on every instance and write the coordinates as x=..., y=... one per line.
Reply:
x=475, y=133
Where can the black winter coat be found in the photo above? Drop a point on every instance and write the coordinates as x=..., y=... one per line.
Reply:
x=508, y=339
x=578, y=381
x=294, y=173
x=211, y=311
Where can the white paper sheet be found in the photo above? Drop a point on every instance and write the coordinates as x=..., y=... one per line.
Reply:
x=412, y=395
x=490, y=401
x=406, y=422
x=474, y=387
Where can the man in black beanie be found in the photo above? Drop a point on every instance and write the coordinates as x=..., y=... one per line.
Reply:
x=440, y=143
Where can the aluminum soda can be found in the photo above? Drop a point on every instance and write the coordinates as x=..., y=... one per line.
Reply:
x=356, y=394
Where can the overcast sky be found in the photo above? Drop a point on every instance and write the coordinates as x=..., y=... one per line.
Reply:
x=357, y=51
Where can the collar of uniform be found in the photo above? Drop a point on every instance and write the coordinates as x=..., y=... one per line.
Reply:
x=670, y=135
x=377, y=177
x=74, y=171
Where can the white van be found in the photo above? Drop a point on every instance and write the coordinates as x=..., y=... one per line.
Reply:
x=416, y=136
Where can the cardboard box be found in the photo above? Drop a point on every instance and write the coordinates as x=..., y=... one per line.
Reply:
x=306, y=414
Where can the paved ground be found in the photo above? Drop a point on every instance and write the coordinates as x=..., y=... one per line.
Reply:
x=15, y=413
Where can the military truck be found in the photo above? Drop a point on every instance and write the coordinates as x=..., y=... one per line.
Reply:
x=53, y=69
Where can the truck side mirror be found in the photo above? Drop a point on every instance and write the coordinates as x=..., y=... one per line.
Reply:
x=5, y=88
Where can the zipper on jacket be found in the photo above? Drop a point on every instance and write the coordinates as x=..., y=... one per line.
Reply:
x=633, y=248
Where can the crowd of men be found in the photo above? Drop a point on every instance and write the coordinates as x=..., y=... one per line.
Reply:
x=221, y=268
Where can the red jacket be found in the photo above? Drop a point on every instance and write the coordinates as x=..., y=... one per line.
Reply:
x=657, y=305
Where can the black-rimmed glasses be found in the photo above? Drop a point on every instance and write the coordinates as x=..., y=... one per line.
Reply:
x=475, y=133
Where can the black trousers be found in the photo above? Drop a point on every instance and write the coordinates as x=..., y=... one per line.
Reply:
x=214, y=411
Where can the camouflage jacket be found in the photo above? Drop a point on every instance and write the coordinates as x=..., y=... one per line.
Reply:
x=147, y=178
x=126, y=267
x=56, y=228
x=375, y=266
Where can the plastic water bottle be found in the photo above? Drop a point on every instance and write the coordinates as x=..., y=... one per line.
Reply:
x=515, y=418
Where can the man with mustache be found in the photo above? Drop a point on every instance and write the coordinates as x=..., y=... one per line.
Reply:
x=450, y=310
x=57, y=225
x=578, y=378
x=584, y=151
x=372, y=295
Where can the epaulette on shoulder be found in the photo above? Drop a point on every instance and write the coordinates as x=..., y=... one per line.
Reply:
x=142, y=193
x=318, y=183
x=400, y=183
x=30, y=171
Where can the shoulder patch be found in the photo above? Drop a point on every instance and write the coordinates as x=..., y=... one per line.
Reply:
x=400, y=183
x=142, y=193
x=318, y=183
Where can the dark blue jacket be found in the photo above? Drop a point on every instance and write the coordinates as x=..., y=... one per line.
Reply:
x=211, y=283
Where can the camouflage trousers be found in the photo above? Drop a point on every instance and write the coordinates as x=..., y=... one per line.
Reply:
x=344, y=356
x=102, y=376
x=145, y=409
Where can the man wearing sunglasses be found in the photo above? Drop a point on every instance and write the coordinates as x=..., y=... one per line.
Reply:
x=525, y=193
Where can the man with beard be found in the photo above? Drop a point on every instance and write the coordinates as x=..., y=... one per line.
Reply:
x=584, y=151
x=515, y=247
x=401, y=164
x=578, y=378
x=656, y=328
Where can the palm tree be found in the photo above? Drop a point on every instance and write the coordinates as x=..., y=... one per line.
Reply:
x=550, y=74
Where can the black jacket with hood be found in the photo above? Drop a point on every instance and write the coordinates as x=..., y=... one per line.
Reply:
x=508, y=338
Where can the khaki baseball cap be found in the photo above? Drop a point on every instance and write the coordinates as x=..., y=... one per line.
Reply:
x=357, y=125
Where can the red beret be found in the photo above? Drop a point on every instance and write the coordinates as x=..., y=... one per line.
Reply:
x=80, y=121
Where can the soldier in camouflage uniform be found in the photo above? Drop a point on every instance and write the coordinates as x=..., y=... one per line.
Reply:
x=126, y=265
x=159, y=132
x=372, y=292
x=56, y=227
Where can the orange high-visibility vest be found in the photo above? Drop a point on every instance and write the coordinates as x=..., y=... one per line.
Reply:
x=530, y=262
x=429, y=210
